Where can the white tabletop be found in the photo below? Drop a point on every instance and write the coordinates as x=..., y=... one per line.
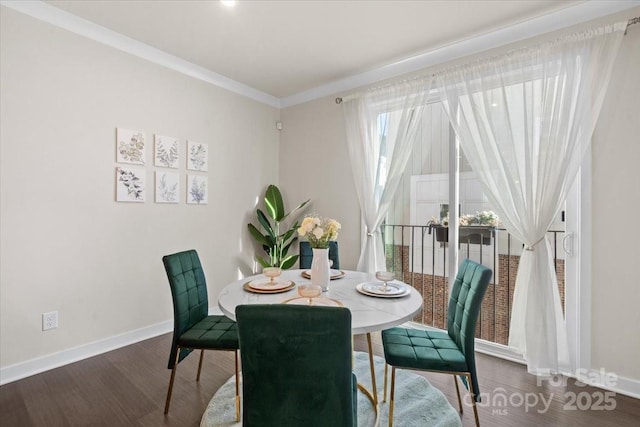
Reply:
x=368, y=314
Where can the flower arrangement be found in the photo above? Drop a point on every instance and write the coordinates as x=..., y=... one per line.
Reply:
x=319, y=231
x=485, y=218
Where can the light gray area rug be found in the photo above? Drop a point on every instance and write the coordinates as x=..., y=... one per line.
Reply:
x=417, y=403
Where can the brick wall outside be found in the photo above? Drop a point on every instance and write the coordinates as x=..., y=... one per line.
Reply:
x=493, y=323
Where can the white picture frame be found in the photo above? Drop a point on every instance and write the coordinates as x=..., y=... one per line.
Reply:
x=130, y=184
x=197, y=190
x=197, y=156
x=167, y=187
x=130, y=146
x=167, y=152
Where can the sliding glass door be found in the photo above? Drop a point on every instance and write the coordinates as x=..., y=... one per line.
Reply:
x=423, y=223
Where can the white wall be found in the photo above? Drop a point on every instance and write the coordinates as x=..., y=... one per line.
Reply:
x=314, y=163
x=66, y=245
x=316, y=129
x=615, y=207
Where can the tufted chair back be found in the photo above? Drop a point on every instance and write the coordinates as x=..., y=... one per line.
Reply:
x=464, y=306
x=189, y=293
x=296, y=366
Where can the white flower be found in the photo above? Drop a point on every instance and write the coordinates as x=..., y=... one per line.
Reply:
x=319, y=231
x=307, y=225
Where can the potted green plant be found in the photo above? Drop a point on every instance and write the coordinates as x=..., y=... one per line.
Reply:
x=475, y=229
x=274, y=241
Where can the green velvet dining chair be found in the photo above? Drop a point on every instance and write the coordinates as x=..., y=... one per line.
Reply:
x=450, y=352
x=296, y=366
x=306, y=255
x=193, y=328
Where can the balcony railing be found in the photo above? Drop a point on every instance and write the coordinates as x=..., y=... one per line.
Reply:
x=418, y=255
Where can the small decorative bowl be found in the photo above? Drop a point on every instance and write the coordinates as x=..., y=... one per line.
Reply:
x=272, y=272
x=385, y=276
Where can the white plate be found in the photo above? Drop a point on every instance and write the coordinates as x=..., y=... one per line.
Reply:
x=333, y=274
x=266, y=285
x=374, y=289
x=248, y=288
x=320, y=301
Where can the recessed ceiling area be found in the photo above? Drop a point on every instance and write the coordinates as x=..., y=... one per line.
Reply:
x=286, y=47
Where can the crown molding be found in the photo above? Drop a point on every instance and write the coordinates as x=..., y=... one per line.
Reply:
x=65, y=20
x=569, y=16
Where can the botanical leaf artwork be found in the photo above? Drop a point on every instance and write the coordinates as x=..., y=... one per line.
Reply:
x=197, y=156
x=130, y=146
x=166, y=153
x=130, y=184
x=167, y=187
x=197, y=190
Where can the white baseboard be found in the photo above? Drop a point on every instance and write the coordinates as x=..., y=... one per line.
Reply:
x=55, y=360
x=621, y=385
x=51, y=361
x=215, y=311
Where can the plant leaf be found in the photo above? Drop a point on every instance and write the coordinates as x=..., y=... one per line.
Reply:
x=274, y=203
x=288, y=262
x=297, y=208
x=286, y=248
x=266, y=224
x=286, y=236
x=274, y=244
x=258, y=235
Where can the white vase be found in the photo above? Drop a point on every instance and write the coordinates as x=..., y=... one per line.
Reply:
x=320, y=268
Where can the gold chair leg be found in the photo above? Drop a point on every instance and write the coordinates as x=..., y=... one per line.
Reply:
x=455, y=381
x=200, y=365
x=237, y=389
x=173, y=376
x=373, y=372
x=384, y=396
x=393, y=389
x=473, y=399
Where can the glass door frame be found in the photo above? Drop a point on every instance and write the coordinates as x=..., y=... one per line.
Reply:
x=576, y=244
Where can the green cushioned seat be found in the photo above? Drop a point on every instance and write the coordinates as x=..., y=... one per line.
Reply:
x=212, y=332
x=416, y=349
x=296, y=366
x=451, y=351
x=193, y=328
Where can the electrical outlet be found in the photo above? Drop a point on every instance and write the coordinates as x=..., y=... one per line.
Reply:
x=49, y=320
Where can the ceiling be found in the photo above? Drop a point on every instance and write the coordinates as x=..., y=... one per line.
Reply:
x=286, y=47
x=283, y=53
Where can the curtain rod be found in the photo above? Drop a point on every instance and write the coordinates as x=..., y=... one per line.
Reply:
x=631, y=22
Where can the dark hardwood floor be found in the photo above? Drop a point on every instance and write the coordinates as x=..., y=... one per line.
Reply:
x=128, y=387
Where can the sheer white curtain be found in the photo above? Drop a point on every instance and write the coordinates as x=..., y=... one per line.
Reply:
x=525, y=121
x=381, y=126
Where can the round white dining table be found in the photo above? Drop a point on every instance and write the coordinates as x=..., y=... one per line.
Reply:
x=368, y=313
